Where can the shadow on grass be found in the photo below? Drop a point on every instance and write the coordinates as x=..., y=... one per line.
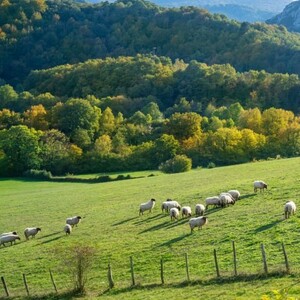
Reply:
x=148, y=219
x=175, y=240
x=247, y=196
x=51, y=234
x=212, y=281
x=60, y=296
x=53, y=239
x=124, y=221
x=267, y=226
x=166, y=225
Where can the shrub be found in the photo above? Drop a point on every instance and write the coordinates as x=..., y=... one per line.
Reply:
x=38, y=174
x=211, y=165
x=78, y=260
x=178, y=164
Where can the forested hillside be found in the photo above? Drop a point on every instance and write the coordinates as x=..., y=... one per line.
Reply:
x=38, y=35
x=111, y=101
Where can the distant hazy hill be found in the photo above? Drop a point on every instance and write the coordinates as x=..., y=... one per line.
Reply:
x=240, y=13
x=243, y=10
x=290, y=17
x=274, y=6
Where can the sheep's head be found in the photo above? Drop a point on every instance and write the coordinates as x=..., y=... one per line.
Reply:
x=265, y=186
x=14, y=233
x=38, y=229
x=152, y=199
x=17, y=238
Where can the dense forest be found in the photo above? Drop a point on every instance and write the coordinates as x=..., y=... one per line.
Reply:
x=85, y=88
x=37, y=35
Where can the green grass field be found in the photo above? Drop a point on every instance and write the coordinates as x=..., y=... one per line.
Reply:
x=112, y=226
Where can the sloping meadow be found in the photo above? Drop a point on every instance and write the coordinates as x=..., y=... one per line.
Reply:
x=111, y=225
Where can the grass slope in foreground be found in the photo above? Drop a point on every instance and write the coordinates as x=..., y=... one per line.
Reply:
x=111, y=224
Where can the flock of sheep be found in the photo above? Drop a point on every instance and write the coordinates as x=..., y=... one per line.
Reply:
x=172, y=207
x=11, y=237
x=223, y=200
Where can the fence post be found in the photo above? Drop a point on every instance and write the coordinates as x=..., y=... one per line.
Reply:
x=264, y=257
x=234, y=258
x=132, y=271
x=162, y=271
x=110, y=277
x=25, y=283
x=285, y=259
x=187, y=266
x=52, y=280
x=5, y=286
x=216, y=263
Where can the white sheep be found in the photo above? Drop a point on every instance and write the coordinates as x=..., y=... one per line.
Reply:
x=186, y=211
x=68, y=229
x=197, y=222
x=147, y=206
x=174, y=213
x=259, y=184
x=10, y=238
x=8, y=233
x=199, y=209
x=73, y=220
x=235, y=194
x=31, y=231
x=289, y=209
x=215, y=200
x=226, y=199
x=167, y=205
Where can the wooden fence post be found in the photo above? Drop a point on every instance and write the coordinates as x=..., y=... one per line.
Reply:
x=187, y=267
x=5, y=286
x=26, y=285
x=132, y=271
x=285, y=259
x=264, y=257
x=162, y=271
x=110, y=277
x=216, y=263
x=234, y=258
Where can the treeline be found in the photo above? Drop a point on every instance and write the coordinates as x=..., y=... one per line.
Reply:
x=76, y=135
x=40, y=34
x=127, y=84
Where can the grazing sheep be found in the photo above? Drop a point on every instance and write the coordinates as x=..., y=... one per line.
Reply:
x=167, y=205
x=10, y=238
x=147, y=206
x=174, y=213
x=226, y=199
x=8, y=233
x=289, y=209
x=68, y=229
x=31, y=231
x=197, y=222
x=186, y=211
x=215, y=200
x=199, y=209
x=235, y=194
x=259, y=184
x=73, y=220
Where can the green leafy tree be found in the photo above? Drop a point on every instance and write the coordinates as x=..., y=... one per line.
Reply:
x=76, y=114
x=183, y=126
x=57, y=153
x=164, y=148
x=20, y=146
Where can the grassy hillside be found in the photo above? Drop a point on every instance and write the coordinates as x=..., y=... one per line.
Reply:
x=111, y=224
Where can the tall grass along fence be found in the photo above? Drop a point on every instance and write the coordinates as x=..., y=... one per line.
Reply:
x=165, y=277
